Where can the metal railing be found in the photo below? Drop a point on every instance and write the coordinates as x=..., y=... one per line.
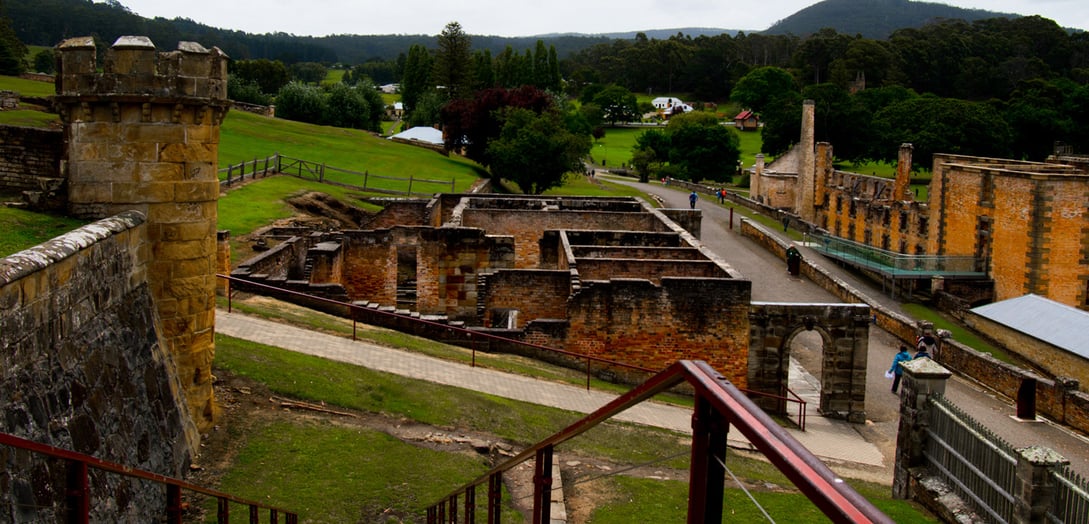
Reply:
x=326, y=174
x=473, y=337
x=891, y=263
x=719, y=404
x=1071, y=502
x=978, y=465
x=78, y=491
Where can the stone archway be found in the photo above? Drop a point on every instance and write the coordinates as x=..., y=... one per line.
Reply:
x=844, y=331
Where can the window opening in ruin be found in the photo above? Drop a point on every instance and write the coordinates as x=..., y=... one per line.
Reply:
x=505, y=318
x=903, y=221
x=406, y=277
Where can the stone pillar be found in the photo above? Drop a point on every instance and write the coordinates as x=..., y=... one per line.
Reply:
x=804, y=205
x=1034, y=489
x=902, y=187
x=824, y=168
x=144, y=134
x=922, y=378
x=757, y=175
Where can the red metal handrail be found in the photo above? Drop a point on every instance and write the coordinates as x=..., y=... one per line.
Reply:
x=78, y=486
x=718, y=405
x=488, y=336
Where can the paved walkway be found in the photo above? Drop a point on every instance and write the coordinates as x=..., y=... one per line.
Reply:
x=825, y=438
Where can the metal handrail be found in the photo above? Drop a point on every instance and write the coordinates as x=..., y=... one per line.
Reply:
x=78, y=486
x=718, y=405
x=469, y=334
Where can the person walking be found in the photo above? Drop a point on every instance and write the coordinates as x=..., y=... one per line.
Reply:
x=692, y=199
x=898, y=372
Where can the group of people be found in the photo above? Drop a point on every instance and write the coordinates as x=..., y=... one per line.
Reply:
x=924, y=347
x=693, y=197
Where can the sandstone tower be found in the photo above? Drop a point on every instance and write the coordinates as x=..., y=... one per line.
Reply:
x=807, y=165
x=143, y=134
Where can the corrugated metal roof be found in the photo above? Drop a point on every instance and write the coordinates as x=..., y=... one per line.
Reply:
x=421, y=133
x=1057, y=324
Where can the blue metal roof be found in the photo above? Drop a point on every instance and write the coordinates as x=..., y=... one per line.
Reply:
x=1057, y=324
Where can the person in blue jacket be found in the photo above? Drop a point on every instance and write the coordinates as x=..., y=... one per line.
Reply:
x=692, y=199
x=903, y=356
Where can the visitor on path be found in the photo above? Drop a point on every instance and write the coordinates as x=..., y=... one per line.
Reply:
x=692, y=199
x=794, y=261
x=926, y=346
x=898, y=372
x=721, y=195
x=922, y=352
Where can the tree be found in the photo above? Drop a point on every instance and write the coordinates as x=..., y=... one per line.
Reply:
x=454, y=62
x=416, y=79
x=12, y=49
x=308, y=72
x=941, y=125
x=701, y=148
x=757, y=89
x=617, y=104
x=246, y=91
x=535, y=150
x=428, y=110
x=300, y=102
x=471, y=124
x=346, y=107
x=270, y=75
x=45, y=61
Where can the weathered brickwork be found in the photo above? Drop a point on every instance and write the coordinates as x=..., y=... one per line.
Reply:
x=526, y=226
x=143, y=134
x=370, y=266
x=85, y=370
x=650, y=269
x=29, y=158
x=1027, y=220
x=635, y=321
x=534, y=293
x=400, y=212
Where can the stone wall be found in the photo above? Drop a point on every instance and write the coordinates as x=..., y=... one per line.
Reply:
x=84, y=369
x=29, y=158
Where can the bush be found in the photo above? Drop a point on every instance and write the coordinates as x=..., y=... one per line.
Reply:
x=301, y=103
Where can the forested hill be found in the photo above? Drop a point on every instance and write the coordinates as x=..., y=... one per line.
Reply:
x=874, y=19
x=48, y=22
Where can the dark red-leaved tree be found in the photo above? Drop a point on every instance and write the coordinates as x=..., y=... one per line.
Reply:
x=470, y=125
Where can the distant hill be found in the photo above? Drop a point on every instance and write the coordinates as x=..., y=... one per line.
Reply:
x=875, y=19
x=658, y=34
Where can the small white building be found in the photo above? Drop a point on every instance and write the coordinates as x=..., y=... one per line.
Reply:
x=665, y=102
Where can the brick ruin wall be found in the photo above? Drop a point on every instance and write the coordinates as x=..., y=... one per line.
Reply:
x=854, y=208
x=648, y=325
x=84, y=369
x=535, y=293
x=526, y=226
x=29, y=158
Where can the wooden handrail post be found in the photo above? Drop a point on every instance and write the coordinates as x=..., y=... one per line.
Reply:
x=542, y=486
x=78, y=492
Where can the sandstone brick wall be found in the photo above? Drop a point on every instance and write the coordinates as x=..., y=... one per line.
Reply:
x=282, y=262
x=27, y=156
x=84, y=369
x=370, y=266
x=527, y=226
x=663, y=253
x=779, y=190
x=400, y=212
x=653, y=270
x=536, y=294
x=652, y=326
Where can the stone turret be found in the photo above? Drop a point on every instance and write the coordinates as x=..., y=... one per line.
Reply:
x=143, y=134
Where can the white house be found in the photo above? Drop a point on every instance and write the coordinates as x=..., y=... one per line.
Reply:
x=665, y=102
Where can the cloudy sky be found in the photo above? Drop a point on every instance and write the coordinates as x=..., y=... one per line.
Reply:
x=527, y=17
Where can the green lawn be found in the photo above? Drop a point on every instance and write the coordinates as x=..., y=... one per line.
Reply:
x=245, y=136
x=26, y=87
x=26, y=229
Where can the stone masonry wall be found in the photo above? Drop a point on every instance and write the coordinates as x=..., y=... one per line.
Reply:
x=142, y=134
x=29, y=158
x=606, y=268
x=84, y=369
x=1055, y=361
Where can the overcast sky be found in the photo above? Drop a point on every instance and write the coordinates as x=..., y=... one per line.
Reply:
x=527, y=18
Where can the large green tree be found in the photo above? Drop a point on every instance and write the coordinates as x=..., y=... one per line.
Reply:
x=761, y=86
x=616, y=103
x=416, y=78
x=269, y=75
x=535, y=150
x=12, y=49
x=701, y=148
x=941, y=125
x=454, y=62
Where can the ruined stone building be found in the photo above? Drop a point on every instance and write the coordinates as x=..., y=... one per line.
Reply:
x=612, y=278
x=990, y=229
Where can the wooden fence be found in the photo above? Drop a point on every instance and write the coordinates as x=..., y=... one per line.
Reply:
x=325, y=174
